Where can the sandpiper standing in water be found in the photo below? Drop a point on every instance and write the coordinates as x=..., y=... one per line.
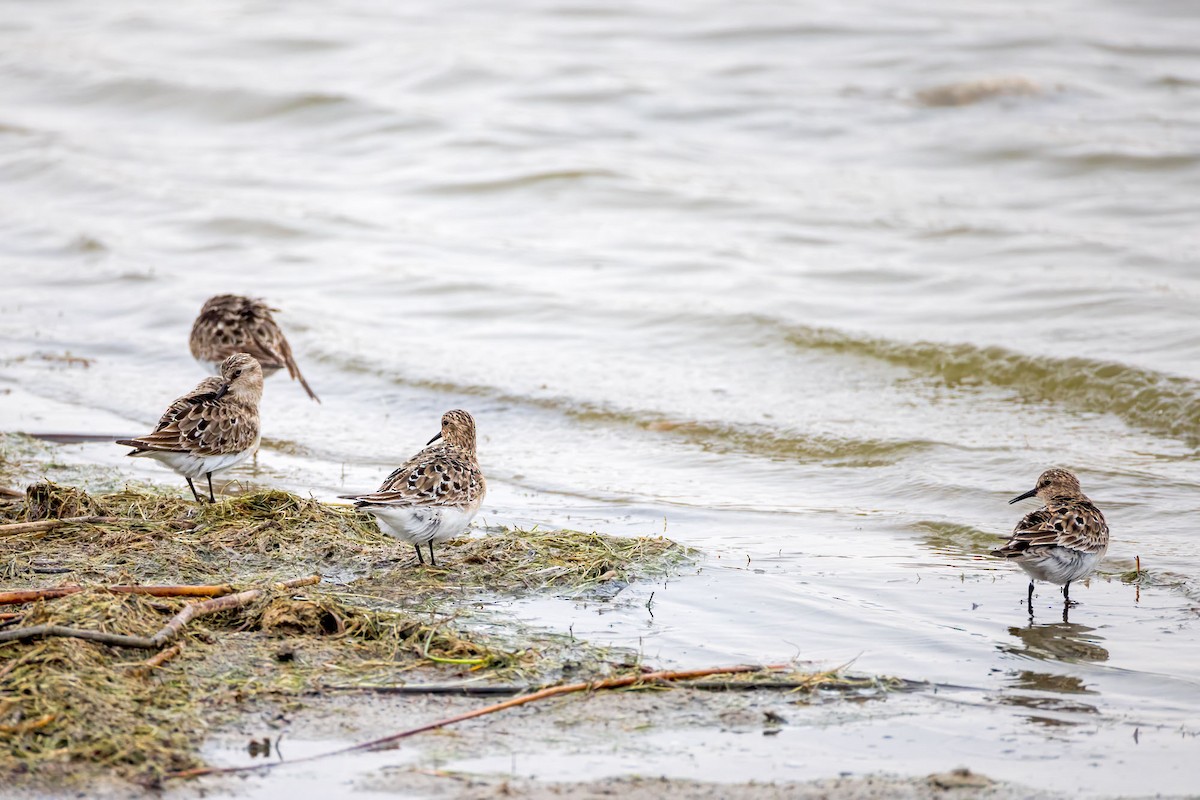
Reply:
x=211, y=428
x=434, y=495
x=230, y=323
x=1061, y=542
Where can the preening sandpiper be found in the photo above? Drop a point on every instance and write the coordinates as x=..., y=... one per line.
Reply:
x=211, y=428
x=230, y=323
x=434, y=495
x=1061, y=542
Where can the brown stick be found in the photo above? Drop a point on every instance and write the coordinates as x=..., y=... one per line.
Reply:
x=157, y=660
x=30, y=595
x=46, y=631
x=168, y=631
x=77, y=438
x=553, y=691
x=486, y=689
x=30, y=725
x=13, y=528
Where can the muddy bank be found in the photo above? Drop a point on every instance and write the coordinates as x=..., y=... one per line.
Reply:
x=99, y=677
x=964, y=784
x=102, y=686
x=454, y=763
x=296, y=668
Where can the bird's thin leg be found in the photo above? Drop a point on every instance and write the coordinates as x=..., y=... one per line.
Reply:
x=431, y=561
x=211, y=497
x=1029, y=599
x=1067, y=601
x=420, y=557
x=195, y=494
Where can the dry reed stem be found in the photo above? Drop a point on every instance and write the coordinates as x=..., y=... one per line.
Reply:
x=168, y=631
x=817, y=680
x=13, y=528
x=30, y=595
x=157, y=660
x=552, y=691
x=29, y=725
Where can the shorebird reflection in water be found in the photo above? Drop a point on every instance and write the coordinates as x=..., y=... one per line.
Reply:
x=1061, y=542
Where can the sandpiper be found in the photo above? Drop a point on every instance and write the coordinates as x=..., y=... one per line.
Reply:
x=434, y=495
x=230, y=323
x=1061, y=542
x=211, y=428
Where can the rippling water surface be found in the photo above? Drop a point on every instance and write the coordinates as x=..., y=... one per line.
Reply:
x=743, y=270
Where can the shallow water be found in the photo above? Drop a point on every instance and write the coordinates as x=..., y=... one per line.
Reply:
x=716, y=268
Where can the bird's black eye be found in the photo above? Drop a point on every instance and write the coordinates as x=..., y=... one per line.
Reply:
x=237, y=374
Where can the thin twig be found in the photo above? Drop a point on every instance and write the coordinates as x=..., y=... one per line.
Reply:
x=157, y=660
x=30, y=595
x=552, y=691
x=485, y=689
x=78, y=438
x=46, y=631
x=466, y=689
x=13, y=528
x=28, y=725
x=168, y=631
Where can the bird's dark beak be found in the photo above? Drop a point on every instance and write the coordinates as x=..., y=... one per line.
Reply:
x=434, y=439
x=221, y=392
x=1030, y=493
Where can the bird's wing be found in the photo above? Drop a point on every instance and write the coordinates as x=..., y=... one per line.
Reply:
x=289, y=360
x=1067, y=522
x=438, y=476
x=205, y=390
x=232, y=324
x=202, y=424
x=264, y=340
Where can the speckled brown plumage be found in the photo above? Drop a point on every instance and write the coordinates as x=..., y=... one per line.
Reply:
x=434, y=495
x=441, y=474
x=181, y=405
x=230, y=323
x=211, y=428
x=1064, y=540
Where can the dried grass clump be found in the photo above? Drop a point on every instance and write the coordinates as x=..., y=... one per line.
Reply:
x=153, y=536
x=271, y=535
x=49, y=501
x=516, y=562
x=812, y=685
x=72, y=706
x=71, y=710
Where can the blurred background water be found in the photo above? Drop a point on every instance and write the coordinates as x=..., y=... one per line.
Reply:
x=815, y=287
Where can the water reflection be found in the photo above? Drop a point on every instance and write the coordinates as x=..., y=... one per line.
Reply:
x=1057, y=641
x=958, y=542
x=1042, y=692
x=1045, y=682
